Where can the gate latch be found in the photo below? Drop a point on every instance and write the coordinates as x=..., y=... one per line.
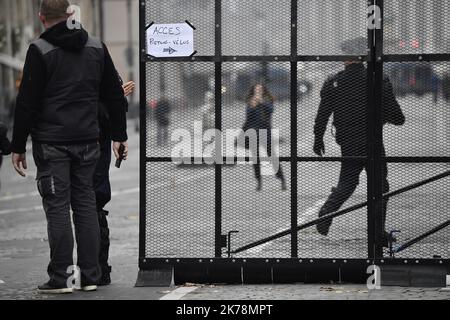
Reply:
x=223, y=241
x=226, y=242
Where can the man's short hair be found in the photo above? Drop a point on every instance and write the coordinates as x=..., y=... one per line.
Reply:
x=54, y=9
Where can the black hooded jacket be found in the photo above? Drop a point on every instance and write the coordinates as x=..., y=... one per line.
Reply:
x=344, y=96
x=66, y=74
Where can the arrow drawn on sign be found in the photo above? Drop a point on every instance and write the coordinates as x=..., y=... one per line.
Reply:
x=169, y=50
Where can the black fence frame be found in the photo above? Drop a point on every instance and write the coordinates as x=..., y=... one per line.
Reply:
x=218, y=269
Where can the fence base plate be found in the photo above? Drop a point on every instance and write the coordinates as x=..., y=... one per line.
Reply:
x=414, y=276
x=155, y=278
x=403, y=273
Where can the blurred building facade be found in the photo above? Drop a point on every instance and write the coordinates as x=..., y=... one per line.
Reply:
x=121, y=35
x=19, y=25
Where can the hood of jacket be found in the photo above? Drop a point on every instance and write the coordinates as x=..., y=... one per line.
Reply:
x=61, y=36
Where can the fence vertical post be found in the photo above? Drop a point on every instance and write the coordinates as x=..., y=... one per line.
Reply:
x=370, y=138
x=378, y=134
x=218, y=125
x=143, y=134
x=294, y=110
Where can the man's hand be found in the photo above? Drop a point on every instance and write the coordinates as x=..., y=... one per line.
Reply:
x=319, y=147
x=128, y=88
x=19, y=162
x=116, y=147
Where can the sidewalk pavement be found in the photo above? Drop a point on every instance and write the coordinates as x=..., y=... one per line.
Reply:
x=23, y=270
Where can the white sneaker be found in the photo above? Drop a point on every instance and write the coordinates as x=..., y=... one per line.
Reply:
x=87, y=288
x=48, y=289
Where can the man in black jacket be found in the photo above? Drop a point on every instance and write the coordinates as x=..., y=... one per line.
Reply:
x=345, y=97
x=102, y=185
x=65, y=75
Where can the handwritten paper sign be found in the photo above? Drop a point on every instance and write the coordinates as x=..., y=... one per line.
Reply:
x=170, y=40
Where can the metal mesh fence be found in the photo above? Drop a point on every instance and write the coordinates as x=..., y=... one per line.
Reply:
x=190, y=208
x=256, y=214
x=180, y=207
x=252, y=27
x=238, y=79
x=347, y=237
x=178, y=101
x=416, y=27
x=423, y=95
x=420, y=210
x=324, y=25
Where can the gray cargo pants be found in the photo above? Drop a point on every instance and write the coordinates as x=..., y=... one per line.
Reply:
x=65, y=181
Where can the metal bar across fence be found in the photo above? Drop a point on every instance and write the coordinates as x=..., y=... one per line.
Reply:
x=343, y=212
